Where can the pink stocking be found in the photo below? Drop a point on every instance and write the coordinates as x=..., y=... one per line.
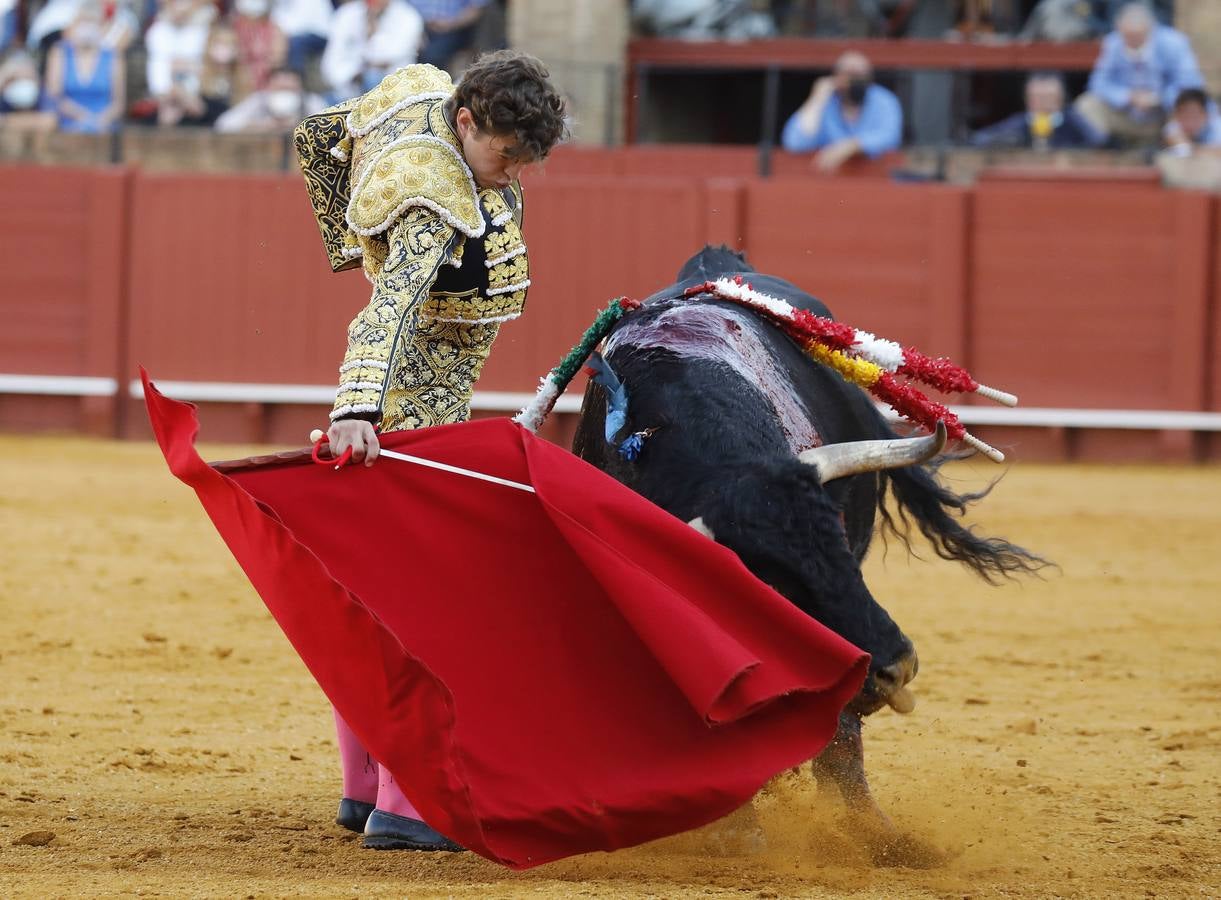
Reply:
x=390, y=799
x=359, y=768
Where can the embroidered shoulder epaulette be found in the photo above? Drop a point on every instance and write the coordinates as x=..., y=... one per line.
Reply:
x=405, y=154
x=398, y=90
x=414, y=170
x=369, y=160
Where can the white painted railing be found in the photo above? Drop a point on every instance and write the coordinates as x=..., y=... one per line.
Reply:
x=504, y=401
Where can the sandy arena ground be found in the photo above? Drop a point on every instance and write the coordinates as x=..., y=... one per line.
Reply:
x=156, y=722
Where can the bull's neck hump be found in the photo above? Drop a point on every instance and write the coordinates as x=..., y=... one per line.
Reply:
x=732, y=338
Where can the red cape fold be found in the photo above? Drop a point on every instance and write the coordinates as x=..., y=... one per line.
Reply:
x=545, y=674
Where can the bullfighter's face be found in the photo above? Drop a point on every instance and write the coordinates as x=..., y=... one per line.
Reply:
x=495, y=160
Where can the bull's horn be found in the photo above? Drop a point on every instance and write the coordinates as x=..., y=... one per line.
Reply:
x=698, y=524
x=901, y=701
x=838, y=460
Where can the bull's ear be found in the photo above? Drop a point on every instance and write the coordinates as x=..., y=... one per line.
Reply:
x=854, y=458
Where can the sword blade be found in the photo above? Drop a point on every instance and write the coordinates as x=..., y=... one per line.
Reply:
x=445, y=467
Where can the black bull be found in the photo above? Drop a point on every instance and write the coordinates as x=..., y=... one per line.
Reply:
x=730, y=402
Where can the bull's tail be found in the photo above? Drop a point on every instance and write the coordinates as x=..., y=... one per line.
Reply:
x=920, y=497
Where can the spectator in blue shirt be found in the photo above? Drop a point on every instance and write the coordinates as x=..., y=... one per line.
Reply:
x=1140, y=72
x=449, y=26
x=1044, y=125
x=846, y=115
x=1194, y=124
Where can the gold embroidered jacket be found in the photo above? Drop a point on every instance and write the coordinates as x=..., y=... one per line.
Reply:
x=447, y=260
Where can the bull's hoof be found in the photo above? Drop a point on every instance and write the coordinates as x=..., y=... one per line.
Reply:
x=905, y=851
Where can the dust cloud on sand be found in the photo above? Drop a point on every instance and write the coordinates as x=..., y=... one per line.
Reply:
x=159, y=735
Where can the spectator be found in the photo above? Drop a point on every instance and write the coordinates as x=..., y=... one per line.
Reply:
x=1193, y=124
x=305, y=24
x=120, y=24
x=846, y=115
x=261, y=45
x=221, y=77
x=1142, y=68
x=368, y=40
x=276, y=110
x=1044, y=125
x=8, y=23
x=85, y=81
x=449, y=28
x=1111, y=9
x=1063, y=20
x=48, y=24
x=175, y=43
x=702, y=20
x=21, y=96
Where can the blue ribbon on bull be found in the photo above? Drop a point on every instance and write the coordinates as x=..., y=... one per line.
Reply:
x=616, y=395
x=616, y=408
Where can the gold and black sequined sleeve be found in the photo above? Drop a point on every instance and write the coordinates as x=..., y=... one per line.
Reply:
x=419, y=243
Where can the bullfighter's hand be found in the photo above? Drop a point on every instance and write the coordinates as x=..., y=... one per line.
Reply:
x=357, y=434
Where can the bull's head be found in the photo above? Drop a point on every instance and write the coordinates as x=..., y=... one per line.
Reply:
x=822, y=576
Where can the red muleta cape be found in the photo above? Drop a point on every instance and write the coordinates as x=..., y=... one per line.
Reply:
x=544, y=674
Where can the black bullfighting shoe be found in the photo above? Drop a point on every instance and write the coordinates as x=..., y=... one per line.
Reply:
x=386, y=831
x=353, y=814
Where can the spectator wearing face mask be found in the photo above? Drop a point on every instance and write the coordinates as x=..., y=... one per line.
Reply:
x=175, y=43
x=278, y=109
x=120, y=24
x=220, y=78
x=85, y=81
x=369, y=39
x=846, y=115
x=21, y=96
x=1194, y=124
x=305, y=23
x=1045, y=125
x=261, y=46
x=1141, y=69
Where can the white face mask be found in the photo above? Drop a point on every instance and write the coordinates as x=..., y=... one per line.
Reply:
x=252, y=8
x=283, y=104
x=21, y=93
x=87, y=34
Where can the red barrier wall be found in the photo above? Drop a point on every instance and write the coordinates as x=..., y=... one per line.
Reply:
x=1070, y=294
x=229, y=282
x=885, y=257
x=1097, y=286
x=62, y=266
x=589, y=244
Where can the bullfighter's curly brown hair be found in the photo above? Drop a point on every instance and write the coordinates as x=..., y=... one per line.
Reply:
x=508, y=93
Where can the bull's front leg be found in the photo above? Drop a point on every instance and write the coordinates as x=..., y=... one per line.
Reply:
x=841, y=766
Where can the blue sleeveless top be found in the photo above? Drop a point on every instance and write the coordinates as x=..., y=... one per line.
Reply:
x=94, y=94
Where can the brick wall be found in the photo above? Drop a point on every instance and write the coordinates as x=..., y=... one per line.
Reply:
x=584, y=43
